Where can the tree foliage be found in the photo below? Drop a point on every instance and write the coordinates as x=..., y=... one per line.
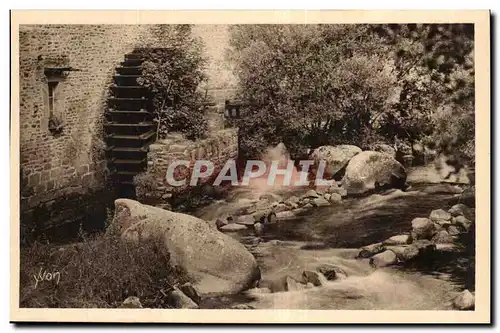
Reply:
x=310, y=85
x=172, y=75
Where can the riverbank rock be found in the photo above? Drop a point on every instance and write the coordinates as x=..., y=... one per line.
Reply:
x=370, y=170
x=439, y=215
x=422, y=228
x=384, y=259
x=463, y=222
x=247, y=220
x=311, y=194
x=336, y=157
x=292, y=202
x=398, y=240
x=287, y=215
x=213, y=261
x=258, y=228
x=442, y=237
x=464, y=301
x=460, y=209
x=454, y=230
x=335, y=198
x=384, y=148
x=131, y=302
x=335, y=189
x=188, y=290
x=281, y=208
x=179, y=300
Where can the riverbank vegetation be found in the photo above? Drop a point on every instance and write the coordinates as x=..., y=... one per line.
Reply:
x=313, y=85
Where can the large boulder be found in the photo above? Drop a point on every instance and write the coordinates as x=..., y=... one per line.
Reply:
x=214, y=262
x=372, y=170
x=336, y=158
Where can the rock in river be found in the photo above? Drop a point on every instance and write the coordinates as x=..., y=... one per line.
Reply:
x=439, y=215
x=398, y=240
x=442, y=237
x=179, y=300
x=463, y=222
x=370, y=170
x=213, y=261
x=384, y=259
x=271, y=197
x=370, y=250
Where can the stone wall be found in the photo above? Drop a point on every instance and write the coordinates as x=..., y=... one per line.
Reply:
x=57, y=164
x=152, y=187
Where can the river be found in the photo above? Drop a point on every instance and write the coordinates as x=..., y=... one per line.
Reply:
x=332, y=235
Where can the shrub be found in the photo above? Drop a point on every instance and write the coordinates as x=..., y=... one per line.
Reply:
x=311, y=85
x=100, y=272
x=173, y=75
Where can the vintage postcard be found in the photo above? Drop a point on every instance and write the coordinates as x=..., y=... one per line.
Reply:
x=250, y=167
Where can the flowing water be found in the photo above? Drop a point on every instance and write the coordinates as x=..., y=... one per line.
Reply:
x=332, y=235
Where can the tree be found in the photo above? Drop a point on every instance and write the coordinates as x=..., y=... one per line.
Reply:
x=310, y=85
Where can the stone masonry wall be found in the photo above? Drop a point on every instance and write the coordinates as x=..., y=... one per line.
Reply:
x=72, y=161
x=152, y=187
